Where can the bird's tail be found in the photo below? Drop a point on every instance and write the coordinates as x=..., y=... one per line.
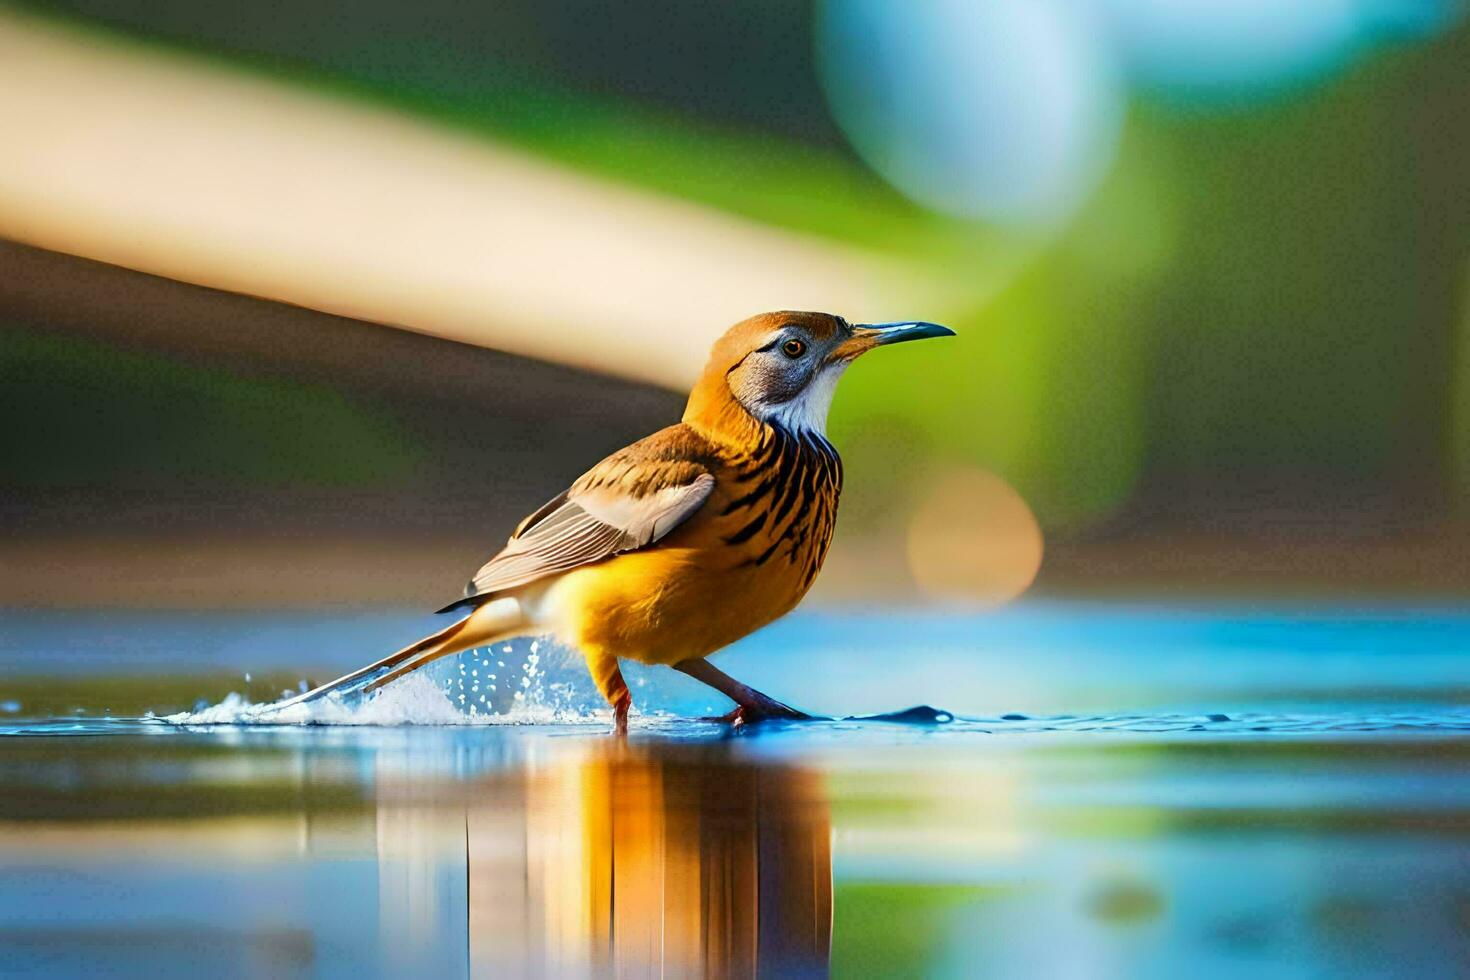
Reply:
x=496, y=620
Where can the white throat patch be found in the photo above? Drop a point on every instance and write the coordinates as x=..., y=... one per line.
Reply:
x=807, y=412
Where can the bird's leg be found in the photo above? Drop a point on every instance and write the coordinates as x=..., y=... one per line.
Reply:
x=620, y=713
x=751, y=705
x=603, y=667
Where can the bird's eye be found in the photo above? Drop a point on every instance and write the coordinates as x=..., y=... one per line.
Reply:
x=793, y=348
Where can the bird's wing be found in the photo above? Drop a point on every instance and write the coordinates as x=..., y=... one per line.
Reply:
x=629, y=500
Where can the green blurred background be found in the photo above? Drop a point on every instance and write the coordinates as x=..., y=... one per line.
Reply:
x=1211, y=305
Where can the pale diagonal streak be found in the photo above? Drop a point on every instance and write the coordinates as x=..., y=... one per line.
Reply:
x=174, y=166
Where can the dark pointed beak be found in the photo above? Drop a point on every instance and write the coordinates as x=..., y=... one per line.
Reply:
x=897, y=333
x=866, y=336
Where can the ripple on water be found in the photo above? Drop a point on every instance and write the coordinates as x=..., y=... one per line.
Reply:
x=422, y=702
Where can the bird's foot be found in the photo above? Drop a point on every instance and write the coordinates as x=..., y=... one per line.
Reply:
x=751, y=714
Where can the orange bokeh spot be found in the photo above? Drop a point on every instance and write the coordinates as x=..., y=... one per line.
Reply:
x=973, y=539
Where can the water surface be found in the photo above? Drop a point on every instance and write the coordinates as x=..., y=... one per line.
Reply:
x=1122, y=793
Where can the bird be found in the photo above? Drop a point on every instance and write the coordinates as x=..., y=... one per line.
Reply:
x=683, y=542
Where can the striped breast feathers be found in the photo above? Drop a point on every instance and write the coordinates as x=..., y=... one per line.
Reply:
x=630, y=500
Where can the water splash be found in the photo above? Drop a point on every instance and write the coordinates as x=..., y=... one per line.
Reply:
x=412, y=701
x=485, y=686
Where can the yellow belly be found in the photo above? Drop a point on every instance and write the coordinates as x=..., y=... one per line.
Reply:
x=664, y=605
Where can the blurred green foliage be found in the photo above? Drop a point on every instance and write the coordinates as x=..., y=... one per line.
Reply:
x=81, y=413
x=1261, y=296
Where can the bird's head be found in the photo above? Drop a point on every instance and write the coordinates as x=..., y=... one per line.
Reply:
x=782, y=368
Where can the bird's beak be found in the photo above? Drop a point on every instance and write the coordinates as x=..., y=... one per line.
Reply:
x=897, y=333
x=866, y=336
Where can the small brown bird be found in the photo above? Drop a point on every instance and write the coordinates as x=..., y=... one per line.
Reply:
x=685, y=541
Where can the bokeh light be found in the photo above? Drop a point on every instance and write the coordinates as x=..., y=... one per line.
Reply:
x=1003, y=111
x=972, y=539
x=1011, y=111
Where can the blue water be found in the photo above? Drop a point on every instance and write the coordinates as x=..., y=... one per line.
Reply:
x=1404, y=665
x=1121, y=792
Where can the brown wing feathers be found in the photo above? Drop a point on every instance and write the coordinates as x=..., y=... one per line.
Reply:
x=629, y=500
x=638, y=495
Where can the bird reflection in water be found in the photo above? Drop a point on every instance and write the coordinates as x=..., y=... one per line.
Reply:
x=631, y=860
